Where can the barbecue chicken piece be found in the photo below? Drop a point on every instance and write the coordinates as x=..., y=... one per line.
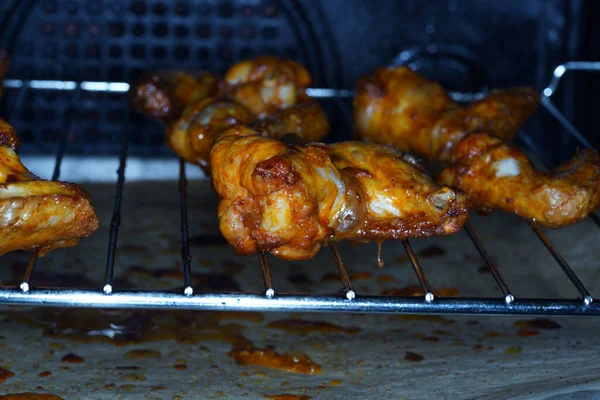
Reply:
x=266, y=84
x=497, y=175
x=35, y=213
x=163, y=95
x=307, y=120
x=399, y=107
x=291, y=199
x=192, y=135
x=275, y=197
x=401, y=200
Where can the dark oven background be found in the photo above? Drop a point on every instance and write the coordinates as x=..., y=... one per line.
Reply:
x=468, y=45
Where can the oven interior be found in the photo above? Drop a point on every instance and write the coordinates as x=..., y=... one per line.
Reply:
x=72, y=61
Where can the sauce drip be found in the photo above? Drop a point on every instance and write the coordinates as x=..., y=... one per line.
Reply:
x=380, y=262
x=5, y=374
x=244, y=353
x=304, y=327
x=410, y=356
x=538, y=323
x=73, y=359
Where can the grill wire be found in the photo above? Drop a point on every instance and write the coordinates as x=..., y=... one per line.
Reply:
x=349, y=301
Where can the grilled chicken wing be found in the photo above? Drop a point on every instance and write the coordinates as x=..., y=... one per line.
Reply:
x=307, y=120
x=38, y=214
x=497, y=175
x=192, y=135
x=267, y=83
x=275, y=197
x=163, y=95
x=401, y=200
x=289, y=200
x=399, y=107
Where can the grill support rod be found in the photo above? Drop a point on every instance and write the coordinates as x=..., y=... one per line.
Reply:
x=186, y=257
x=350, y=293
x=115, y=222
x=60, y=152
x=419, y=271
x=58, y=297
x=264, y=265
x=585, y=295
x=508, y=297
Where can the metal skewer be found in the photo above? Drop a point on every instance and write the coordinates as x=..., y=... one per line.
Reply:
x=24, y=286
x=350, y=294
x=419, y=271
x=508, y=297
x=587, y=298
x=269, y=292
x=186, y=257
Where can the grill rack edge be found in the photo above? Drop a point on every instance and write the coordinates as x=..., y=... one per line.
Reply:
x=347, y=301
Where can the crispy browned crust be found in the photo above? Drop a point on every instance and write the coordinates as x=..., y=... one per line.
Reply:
x=553, y=200
x=192, y=135
x=307, y=120
x=163, y=95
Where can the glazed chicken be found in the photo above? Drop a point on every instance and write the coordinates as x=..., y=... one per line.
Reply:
x=399, y=107
x=266, y=84
x=291, y=199
x=162, y=95
x=38, y=214
x=306, y=120
x=192, y=135
x=498, y=175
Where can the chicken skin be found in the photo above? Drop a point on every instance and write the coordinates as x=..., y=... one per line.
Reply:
x=307, y=120
x=498, y=175
x=291, y=199
x=399, y=107
x=401, y=200
x=38, y=214
x=266, y=84
x=162, y=95
x=192, y=135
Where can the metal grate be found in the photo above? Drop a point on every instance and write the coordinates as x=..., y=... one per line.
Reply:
x=270, y=299
x=113, y=41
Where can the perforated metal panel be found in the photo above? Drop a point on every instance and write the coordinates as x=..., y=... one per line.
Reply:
x=96, y=40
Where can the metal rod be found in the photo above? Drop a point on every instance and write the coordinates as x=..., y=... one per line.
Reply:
x=122, y=87
x=565, y=122
x=60, y=152
x=59, y=297
x=115, y=222
x=24, y=286
x=418, y=271
x=186, y=257
x=508, y=297
x=587, y=298
x=20, y=98
x=264, y=265
x=350, y=293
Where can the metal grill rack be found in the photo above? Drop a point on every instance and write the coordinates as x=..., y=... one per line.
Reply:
x=271, y=300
